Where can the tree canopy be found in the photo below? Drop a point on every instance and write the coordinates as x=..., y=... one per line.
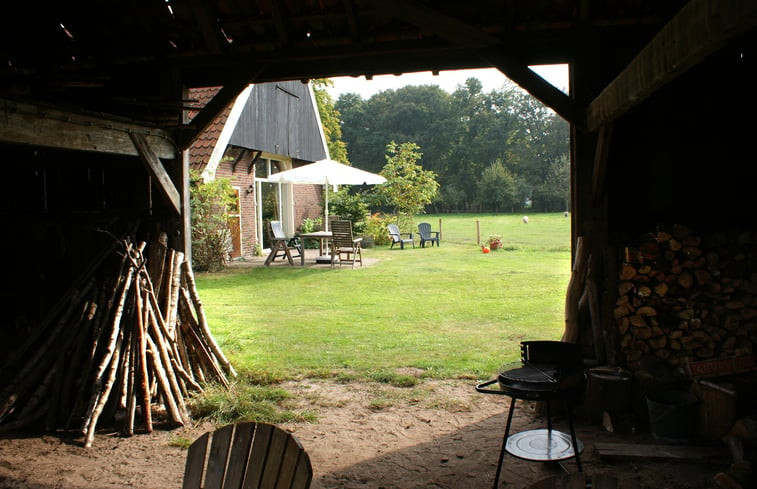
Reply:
x=467, y=138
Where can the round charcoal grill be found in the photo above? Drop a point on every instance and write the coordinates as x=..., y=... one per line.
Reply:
x=548, y=371
x=528, y=378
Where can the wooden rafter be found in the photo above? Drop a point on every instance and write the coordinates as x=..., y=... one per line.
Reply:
x=242, y=152
x=537, y=86
x=253, y=161
x=352, y=25
x=210, y=33
x=279, y=22
x=431, y=21
x=698, y=30
x=157, y=171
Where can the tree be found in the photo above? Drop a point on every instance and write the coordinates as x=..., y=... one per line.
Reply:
x=332, y=128
x=409, y=188
x=497, y=188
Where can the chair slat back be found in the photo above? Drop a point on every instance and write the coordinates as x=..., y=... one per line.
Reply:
x=424, y=229
x=394, y=231
x=247, y=456
x=341, y=234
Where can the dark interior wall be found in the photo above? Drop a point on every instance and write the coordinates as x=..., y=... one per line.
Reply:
x=687, y=155
x=61, y=211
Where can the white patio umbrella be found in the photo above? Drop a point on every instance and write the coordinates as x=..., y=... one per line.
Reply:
x=327, y=172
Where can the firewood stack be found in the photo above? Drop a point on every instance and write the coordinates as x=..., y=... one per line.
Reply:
x=130, y=341
x=684, y=297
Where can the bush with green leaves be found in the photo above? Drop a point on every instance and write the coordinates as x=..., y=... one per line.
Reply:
x=351, y=207
x=375, y=227
x=310, y=225
x=210, y=203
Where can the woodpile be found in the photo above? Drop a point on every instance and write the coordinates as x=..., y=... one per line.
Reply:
x=132, y=338
x=685, y=297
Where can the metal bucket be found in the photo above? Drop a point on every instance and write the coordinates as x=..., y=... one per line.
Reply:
x=672, y=415
x=611, y=388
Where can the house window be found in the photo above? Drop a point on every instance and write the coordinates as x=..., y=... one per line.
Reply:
x=264, y=167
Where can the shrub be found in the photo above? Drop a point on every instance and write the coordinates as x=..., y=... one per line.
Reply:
x=308, y=226
x=211, y=238
x=351, y=207
x=375, y=227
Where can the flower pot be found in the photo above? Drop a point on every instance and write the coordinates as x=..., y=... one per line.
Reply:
x=495, y=246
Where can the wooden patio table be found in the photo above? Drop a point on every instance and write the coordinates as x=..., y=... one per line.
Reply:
x=323, y=245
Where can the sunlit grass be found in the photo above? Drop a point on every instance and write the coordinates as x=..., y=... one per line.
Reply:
x=450, y=311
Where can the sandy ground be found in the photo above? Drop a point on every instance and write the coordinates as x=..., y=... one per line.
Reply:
x=436, y=435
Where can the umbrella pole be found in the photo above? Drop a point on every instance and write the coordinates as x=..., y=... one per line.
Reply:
x=326, y=208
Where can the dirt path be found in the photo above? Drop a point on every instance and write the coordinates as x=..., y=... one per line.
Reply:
x=368, y=436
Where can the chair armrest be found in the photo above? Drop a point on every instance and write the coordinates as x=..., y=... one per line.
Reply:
x=357, y=240
x=409, y=235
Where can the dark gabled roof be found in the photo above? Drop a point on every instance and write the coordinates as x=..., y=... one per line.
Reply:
x=281, y=118
x=278, y=118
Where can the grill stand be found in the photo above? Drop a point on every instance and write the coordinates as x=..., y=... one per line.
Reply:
x=542, y=438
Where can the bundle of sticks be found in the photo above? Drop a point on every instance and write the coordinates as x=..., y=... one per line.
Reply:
x=122, y=344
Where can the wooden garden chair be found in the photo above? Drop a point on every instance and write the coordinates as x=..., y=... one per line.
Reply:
x=344, y=244
x=281, y=246
x=247, y=455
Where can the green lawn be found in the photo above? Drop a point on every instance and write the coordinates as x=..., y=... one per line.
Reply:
x=452, y=311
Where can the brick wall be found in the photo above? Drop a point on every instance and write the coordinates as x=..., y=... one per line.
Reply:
x=243, y=180
x=307, y=203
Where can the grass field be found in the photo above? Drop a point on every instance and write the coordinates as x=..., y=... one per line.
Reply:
x=452, y=311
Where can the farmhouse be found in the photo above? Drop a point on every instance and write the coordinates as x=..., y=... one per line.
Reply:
x=270, y=127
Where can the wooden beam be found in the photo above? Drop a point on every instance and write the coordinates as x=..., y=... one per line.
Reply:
x=157, y=171
x=24, y=123
x=203, y=14
x=599, y=175
x=432, y=21
x=699, y=29
x=277, y=10
x=541, y=89
x=234, y=164
x=253, y=161
x=351, y=18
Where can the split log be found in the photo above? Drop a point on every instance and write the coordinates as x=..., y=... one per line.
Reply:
x=694, y=301
x=575, y=290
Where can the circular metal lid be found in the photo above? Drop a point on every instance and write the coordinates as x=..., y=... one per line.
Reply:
x=542, y=445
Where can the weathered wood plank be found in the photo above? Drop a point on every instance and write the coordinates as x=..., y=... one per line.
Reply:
x=699, y=29
x=24, y=123
x=156, y=169
x=626, y=451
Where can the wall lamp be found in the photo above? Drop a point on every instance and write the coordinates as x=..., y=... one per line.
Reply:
x=250, y=189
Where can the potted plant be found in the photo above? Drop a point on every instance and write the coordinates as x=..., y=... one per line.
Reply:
x=494, y=242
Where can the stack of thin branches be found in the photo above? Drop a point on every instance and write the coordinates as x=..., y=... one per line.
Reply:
x=116, y=348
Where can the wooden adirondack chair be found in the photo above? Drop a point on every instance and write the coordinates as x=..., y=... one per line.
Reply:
x=343, y=243
x=247, y=455
x=281, y=246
